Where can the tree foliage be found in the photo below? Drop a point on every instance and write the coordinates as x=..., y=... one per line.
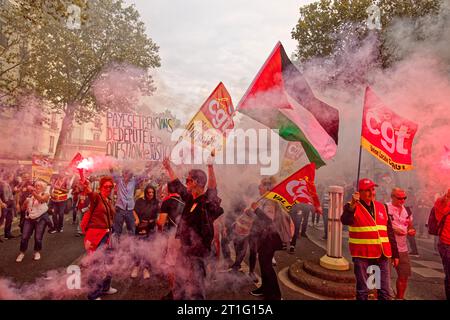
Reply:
x=63, y=64
x=324, y=24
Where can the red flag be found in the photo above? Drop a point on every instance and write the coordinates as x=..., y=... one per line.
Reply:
x=386, y=135
x=297, y=188
x=215, y=113
x=75, y=161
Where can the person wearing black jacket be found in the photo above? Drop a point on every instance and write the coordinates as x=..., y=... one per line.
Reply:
x=8, y=204
x=195, y=230
x=145, y=213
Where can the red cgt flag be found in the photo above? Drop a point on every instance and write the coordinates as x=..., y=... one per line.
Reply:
x=75, y=161
x=297, y=188
x=386, y=135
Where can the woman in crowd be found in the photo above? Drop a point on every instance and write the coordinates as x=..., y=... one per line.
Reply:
x=97, y=227
x=145, y=213
x=35, y=219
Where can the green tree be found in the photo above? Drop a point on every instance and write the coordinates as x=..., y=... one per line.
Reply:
x=18, y=24
x=323, y=24
x=64, y=64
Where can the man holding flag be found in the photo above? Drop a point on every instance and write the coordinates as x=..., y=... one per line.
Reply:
x=371, y=239
x=273, y=208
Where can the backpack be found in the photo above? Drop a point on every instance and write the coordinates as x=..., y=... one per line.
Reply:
x=435, y=228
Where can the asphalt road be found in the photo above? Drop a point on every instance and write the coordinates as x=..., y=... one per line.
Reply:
x=61, y=250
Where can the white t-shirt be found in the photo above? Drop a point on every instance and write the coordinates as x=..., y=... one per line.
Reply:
x=35, y=208
x=400, y=220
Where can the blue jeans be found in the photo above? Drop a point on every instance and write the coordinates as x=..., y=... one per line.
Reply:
x=59, y=208
x=29, y=226
x=444, y=251
x=102, y=286
x=120, y=217
x=361, y=265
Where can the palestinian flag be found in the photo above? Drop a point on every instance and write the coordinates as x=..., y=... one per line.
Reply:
x=280, y=98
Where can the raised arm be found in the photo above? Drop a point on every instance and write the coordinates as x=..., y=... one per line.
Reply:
x=168, y=167
x=212, y=184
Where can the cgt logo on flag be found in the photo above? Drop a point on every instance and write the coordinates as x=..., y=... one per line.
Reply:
x=297, y=188
x=386, y=135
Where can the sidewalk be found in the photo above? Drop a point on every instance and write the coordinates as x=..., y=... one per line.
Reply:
x=427, y=280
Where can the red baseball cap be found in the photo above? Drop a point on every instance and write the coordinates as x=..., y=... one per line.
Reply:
x=365, y=184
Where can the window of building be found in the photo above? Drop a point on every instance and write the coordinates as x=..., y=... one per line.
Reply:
x=52, y=144
x=96, y=136
x=53, y=123
x=98, y=123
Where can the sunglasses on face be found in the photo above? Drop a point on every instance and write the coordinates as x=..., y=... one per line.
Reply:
x=400, y=198
x=108, y=186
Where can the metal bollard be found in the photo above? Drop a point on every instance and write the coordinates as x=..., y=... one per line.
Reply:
x=333, y=259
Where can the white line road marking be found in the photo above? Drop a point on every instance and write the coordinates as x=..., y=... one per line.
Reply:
x=430, y=264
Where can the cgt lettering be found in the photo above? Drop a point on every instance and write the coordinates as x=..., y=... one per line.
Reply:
x=391, y=139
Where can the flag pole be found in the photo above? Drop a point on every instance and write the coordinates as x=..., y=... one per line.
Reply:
x=359, y=167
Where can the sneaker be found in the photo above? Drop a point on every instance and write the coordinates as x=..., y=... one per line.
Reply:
x=52, y=231
x=37, y=256
x=416, y=255
x=134, y=272
x=98, y=298
x=257, y=292
x=253, y=277
x=60, y=231
x=146, y=274
x=20, y=257
x=291, y=249
x=111, y=291
x=274, y=262
x=324, y=238
x=10, y=237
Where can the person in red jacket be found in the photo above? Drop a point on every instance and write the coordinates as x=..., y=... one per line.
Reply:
x=442, y=211
x=97, y=227
x=371, y=240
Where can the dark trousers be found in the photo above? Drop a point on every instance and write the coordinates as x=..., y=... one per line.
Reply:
x=253, y=246
x=22, y=220
x=100, y=286
x=297, y=219
x=225, y=246
x=269, y=280
x=240, y=247
x=7, y=216
x=412, y=244
x=59, y=208
x=304, y=221
x=444, y=251
x=190, y=281
x=361, y=266
x=325, y=223
x=38, y=227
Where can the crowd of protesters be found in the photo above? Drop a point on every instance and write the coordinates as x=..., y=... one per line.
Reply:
x=188, y=213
